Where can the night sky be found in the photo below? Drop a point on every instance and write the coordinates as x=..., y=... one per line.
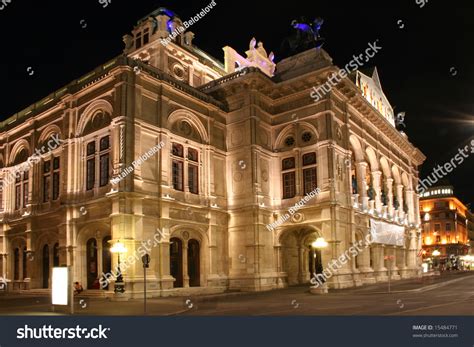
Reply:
x=425, y=65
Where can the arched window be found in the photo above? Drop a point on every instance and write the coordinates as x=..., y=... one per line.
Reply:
x=48, y=172
x=21, y=190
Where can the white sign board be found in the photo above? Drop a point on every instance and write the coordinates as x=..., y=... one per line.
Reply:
x=386, y=233
x=60, y=286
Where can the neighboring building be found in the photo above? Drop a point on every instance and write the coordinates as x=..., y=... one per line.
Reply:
x=445, y=223
x=243, y=143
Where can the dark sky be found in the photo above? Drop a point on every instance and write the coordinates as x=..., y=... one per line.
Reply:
x=425, y=67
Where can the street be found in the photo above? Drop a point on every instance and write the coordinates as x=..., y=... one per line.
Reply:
x=448, y=294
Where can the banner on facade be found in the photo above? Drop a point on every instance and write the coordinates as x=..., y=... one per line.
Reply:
x=386, y=233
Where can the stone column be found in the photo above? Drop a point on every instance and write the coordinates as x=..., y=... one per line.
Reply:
x=390, y=196
x=401, y=261
x=376, y=184
x=411, y=209
x=412, y=252
x=185, y=265
x=380, y=270
x=361, y=168
x=400, y=200
x=300, y=264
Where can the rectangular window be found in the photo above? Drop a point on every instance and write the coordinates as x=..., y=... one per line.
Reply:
x=193, y=179
x=448, y=226
x=309, y=159
x=177, y=150
x=288, y=163
x=177, y=175
x=45, y=188
x=25, y=194
x=437, y=227
x=104, y=143
x=309, y=180
x=192, y=154
x=56, y=163
x=438, y=239
x=55, y=185
x=17, y=197
x=90, y=174
x=90, y=148
x=104, y=170
x=289, y=185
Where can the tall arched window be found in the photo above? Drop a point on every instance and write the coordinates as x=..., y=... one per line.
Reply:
x=98, y=162
x=310, y=181
x=21, y=190
x=181, y=166
x=288, y=177
x=51, y=171
x=16, y=264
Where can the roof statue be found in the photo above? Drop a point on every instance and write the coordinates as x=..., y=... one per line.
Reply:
x=306, y=36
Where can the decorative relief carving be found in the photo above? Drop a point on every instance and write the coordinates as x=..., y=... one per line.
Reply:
x=297, y=217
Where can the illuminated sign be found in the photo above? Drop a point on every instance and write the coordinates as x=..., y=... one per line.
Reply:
x=60, y=286
x=372, y=92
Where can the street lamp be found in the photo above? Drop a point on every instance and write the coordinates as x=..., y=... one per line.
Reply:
x=319, y=244
x=119, y=247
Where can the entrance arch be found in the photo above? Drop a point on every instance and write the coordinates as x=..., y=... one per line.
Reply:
x=299, y=259
x=91, y=262
x=176, y=261
x=194, y=263
x=45, y=266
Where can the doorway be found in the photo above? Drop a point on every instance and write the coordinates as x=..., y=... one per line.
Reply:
x=194, y=263
x=45, y=266
x=91, y=264
x=176, y=261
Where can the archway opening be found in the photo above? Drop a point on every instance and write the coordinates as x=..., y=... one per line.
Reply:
x=91, y=264
x=194, y=263
x=106, y=259
x=176, y=261
x=45, y=266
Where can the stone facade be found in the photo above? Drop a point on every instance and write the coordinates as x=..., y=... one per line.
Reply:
x=217, y=183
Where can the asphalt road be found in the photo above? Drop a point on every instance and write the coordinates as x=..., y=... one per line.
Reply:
x=449, y=294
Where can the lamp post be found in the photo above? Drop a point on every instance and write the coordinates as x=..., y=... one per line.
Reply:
x=119, y=247
x=318, y=244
